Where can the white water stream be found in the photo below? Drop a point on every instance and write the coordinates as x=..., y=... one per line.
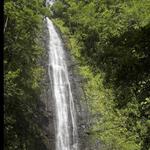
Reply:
x=66, y=129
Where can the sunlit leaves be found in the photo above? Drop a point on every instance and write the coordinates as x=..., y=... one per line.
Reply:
x=22, y=74
x=112, y=37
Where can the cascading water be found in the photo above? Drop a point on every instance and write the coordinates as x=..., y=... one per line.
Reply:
x=50, y=2
x=66, y=129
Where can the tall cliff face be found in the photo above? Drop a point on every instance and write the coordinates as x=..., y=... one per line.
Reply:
x=47, y=106
x=79, y=100
x=84, y=117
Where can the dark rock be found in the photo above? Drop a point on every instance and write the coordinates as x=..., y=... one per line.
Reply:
x=47, y=106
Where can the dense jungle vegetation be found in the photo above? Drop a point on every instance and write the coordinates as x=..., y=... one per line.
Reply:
x=110, y=39
x=23, y=48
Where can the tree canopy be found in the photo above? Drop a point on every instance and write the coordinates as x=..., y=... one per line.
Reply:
x=112, y=40
x=23, y=25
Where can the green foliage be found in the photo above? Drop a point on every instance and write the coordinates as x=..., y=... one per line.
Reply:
x=111, y=40
x=22, y=75
x=58, y=8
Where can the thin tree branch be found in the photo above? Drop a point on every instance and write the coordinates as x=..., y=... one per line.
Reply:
x=5, y=24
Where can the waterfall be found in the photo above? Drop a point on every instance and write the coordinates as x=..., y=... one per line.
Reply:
x=66, y=129
x=49, y=2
